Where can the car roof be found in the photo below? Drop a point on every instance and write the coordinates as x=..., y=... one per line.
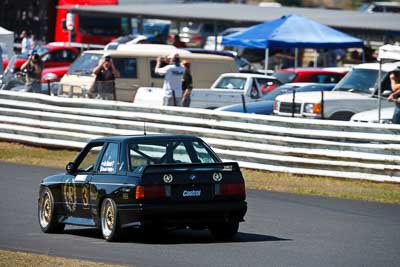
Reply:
x=312, y=70
x=128, y=138
x=375, y=66
x=245, y=75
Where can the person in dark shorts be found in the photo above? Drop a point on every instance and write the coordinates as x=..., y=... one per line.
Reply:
x=33, y=68
x=187, y=84
x=394, y=96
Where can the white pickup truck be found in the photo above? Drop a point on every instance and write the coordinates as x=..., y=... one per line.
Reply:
x=356, y=92
x=226, y=90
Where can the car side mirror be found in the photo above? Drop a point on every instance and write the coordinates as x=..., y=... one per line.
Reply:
x=386, y=93
x=71, y=168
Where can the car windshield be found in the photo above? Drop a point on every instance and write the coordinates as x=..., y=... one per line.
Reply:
x=231, y=83
x=285, y=77
x=84, y=64
x=142, y=153
x=359, y=80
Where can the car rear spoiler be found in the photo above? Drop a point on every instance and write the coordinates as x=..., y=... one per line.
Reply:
x=162, y=168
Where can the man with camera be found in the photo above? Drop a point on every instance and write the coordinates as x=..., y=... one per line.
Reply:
x=106, y=73
x=33, y=68
x=173, y=74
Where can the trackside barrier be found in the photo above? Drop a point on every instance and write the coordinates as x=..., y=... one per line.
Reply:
x=303, y=146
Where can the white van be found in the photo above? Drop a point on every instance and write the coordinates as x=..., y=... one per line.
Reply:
x=137, y=70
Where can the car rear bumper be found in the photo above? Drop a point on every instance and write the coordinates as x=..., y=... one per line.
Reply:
x=182, y=213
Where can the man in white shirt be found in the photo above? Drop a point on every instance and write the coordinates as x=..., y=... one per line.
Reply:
x=173, y=74
x=25, y=43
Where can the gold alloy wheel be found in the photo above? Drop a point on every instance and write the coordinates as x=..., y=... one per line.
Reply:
x=109, y=216
x=45, y=210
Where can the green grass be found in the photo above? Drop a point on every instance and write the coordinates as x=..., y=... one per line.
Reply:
x=22, y=259
x=263, y=180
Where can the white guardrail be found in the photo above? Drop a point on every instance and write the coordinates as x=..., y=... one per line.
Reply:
x=302, y=146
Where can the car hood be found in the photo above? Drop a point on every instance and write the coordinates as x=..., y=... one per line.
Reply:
x=372, y=115
x=328, y=95
x=260, y=107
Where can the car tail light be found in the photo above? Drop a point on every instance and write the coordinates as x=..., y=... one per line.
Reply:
x=236, y=189
x=197, y=38
x=276, y=105
x=150, y=191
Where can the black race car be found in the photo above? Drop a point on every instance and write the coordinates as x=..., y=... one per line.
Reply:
x=163, y=181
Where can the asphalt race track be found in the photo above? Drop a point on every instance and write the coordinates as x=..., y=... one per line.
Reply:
x=280, y=230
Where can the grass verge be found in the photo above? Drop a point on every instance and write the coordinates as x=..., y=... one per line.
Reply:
x=22, y=259
x=278, y=182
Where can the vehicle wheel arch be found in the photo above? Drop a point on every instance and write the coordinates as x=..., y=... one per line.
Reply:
x=341, y=115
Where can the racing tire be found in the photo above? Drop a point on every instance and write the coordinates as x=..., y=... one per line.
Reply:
x=110, y=222
x=224, y=231
x=47, y=218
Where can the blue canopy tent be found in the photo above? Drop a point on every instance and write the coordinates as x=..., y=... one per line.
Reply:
x=291, y=31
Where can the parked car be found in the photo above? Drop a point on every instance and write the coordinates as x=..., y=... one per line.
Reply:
x=51, y=55
x=356, y=92
x=194, y=34
x=371, y=116
x=151, y=181
x=210, y=42
x=387, y=6
x=266, y=105
x=228, y=88
x=242, y=64
x=312, y=75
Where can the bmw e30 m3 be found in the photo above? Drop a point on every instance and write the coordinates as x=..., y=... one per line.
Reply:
x=171, y=181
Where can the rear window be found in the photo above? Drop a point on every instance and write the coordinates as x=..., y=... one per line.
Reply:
x=285, y=77
x=327, y=78
x=232, y=83
x=144, y=153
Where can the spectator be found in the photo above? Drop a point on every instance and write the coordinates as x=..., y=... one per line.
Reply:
x=33, y=67
x=26, y=42
x=187, y=84
x=394, y=96
x=177, y=42
x=33, y=41
x=173, y=74
x=106, y=73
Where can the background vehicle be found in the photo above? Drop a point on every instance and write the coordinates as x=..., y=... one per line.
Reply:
x=242, y=64
x=194, y=34
x=152, y=182
x=210, y=42
x=387, y=6
x=89, y=29
x=371, y=116
x=266, y=104
x=311, y=75
x=228, y=89
x=356, y=92
x=51, y=55
x=137, y=70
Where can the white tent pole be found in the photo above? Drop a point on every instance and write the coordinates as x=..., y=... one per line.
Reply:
x=296, y=55
x=266, y=60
